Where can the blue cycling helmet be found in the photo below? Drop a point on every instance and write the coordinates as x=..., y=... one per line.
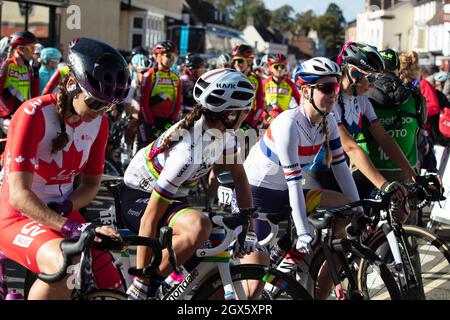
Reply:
x=313, y=69
x=52, y=54
x=140, y=62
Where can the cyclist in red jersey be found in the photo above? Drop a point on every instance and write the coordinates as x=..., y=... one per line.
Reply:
x=280, y=93
x=160, y=94
x=53, y=138
x=243, y=56
x=18, y=81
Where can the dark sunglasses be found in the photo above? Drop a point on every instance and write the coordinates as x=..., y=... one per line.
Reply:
x=279, y=66
x=328, y=87
x=358, y=74
x=95, y=104
x=238, y=60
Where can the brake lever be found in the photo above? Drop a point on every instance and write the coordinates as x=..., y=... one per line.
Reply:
x=165, y=239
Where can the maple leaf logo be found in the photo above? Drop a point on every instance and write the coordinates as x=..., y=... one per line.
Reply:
x=62, y=168
x=20, y=159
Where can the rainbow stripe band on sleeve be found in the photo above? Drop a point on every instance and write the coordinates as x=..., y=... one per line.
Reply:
x=161, y=194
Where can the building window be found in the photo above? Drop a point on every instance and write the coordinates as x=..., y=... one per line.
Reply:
x=421, y=38
x=137, y=31
x=154, y=32
x=138, y=22
x=18, y=16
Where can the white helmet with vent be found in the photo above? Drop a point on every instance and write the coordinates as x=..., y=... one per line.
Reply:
x=224, y=89
x=313, y=69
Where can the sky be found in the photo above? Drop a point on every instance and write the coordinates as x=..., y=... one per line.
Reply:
x=349, y=7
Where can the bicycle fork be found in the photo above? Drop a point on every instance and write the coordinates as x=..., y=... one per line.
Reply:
x=400, y=249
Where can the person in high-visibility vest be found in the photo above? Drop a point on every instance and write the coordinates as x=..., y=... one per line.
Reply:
x=280, y=93
x=18, y=80
x=160, y=94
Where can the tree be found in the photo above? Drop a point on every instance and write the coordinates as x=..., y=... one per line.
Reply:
x=282, y=19
x=330, y=26
x=305, y=21
x=250, y=8
x=225, y=6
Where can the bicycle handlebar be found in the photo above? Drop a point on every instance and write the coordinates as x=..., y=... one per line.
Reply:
x=273, y=219
x=231, y=223
x=74, y=247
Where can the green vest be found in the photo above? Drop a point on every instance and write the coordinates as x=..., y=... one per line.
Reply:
x=404, y=131
x=18, y=81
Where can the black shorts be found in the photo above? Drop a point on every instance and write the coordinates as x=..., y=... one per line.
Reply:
x=134, y=202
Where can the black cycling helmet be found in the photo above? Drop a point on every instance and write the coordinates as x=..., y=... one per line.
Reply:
x=391, y=59
x=101, y=71
x=361, y=55
x=194, y=61
x=165, y=47
x=22, y=38
x=139, y=50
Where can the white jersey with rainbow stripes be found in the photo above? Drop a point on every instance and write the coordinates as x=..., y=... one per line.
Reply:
x=175, y=171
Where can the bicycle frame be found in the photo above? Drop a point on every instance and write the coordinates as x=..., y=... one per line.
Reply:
x=400, y=249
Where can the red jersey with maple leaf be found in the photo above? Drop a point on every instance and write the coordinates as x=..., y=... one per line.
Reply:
x=32, y=130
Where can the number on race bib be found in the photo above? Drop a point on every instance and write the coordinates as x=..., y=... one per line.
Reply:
x=225, y=195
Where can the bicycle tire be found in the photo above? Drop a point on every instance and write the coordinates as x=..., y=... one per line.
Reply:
x=106, y=294
x=388, y=281
x=253, y=272
x=442, y=265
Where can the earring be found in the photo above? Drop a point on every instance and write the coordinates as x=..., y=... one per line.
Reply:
x=72, y=88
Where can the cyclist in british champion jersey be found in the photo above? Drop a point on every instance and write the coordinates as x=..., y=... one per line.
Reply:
x=360, y=63
x=280, y=93
x=159, y=177
x=293, y=139
x=52, y=139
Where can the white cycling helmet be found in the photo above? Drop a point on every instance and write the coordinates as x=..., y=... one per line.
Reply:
x=224, y=89
x=224, y=60
x=313, y=69
x=4, y=47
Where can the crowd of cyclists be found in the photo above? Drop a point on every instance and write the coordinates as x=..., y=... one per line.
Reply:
x=329, y=131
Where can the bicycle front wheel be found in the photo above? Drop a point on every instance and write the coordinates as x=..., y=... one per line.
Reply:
x=430, y=259
x=286, y=288
x=321, y=286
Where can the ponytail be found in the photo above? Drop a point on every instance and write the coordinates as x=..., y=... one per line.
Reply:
x=63, y=104
x=187, y=123
x=328, y=156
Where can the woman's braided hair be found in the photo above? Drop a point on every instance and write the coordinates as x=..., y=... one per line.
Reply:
x=63, y=105
x=187, y=123
x=326, y=132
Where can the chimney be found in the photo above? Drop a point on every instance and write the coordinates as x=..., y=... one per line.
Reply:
x=250, y=21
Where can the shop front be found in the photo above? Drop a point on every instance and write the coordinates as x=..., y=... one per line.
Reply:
x=37, y=16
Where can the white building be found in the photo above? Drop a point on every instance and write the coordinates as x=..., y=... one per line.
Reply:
x=264, y=40
x=431, y=34
x=387, y=25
